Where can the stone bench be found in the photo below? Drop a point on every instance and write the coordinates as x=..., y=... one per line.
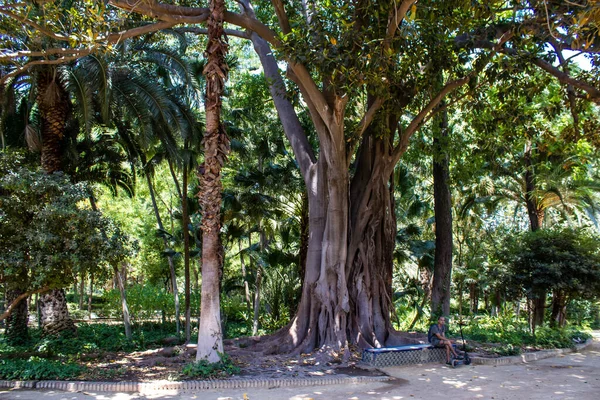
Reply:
x=403, y=355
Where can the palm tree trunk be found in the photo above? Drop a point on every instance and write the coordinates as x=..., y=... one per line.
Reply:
x=216, y=148
x=53, y=104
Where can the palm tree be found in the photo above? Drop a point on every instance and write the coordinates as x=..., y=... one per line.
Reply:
x=216, y=148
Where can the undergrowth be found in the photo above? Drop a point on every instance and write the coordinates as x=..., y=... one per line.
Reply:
x=204, y=369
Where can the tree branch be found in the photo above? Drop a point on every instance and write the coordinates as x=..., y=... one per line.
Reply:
x=30, y=64
x=284, y=22
x=140, y=30
x=364, y=124
x=20, y=298
x=422, y=117
x=204, y=31
x=397, y=14
x=34, y=25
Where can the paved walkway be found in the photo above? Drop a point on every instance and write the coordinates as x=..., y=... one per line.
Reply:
x=572, y=376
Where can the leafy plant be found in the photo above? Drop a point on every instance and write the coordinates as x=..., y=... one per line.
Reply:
x=205, y=369
x=36, y=368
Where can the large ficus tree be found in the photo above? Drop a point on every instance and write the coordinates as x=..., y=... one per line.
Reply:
x=369, y=80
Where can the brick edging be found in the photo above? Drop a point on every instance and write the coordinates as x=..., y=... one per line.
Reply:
x=528, y=357
x=182, y=386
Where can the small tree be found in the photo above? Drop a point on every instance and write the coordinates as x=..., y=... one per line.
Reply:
x=47, y=238
x=565, y=261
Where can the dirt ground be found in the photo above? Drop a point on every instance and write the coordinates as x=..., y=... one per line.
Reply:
x=572, y=376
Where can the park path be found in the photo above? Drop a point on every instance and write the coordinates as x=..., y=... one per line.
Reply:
x=571, y=376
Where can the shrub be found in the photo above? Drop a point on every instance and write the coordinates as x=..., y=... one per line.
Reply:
x=36, y=368
x=205, y=369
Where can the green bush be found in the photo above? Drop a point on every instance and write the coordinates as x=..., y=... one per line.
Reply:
x=36, y=368
x=205, y=369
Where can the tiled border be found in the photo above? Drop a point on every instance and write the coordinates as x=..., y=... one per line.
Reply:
x=150, y=387
x=528, y=357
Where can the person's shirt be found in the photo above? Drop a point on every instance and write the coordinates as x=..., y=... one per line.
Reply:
x=435, y=329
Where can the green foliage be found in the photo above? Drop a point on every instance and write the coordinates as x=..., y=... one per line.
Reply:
x=145, y=302
x=35, y=368
x=565, y=260
x=204, y=369
x=47, y=235
x=513, y=334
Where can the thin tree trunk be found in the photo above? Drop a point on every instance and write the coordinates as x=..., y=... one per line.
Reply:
x=90, y=296
x=245, y=277
x=119, y=281
x=442, y=270
x=169, y=257
x=256, y=301
x=216, y=148
x=81, y=291
x=186, y=251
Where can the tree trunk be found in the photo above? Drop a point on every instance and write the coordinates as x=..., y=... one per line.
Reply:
x=170, y=260
x=53, y=104
x=304, y=232
x=90, y=296
x=186, y=250
x=256, y=301
x=54, y=313
x=536, y=217
x=559, y=308
x=81, y=291
x=442, y=270
x=216, y=148
x=245, y=278
x=17, y=331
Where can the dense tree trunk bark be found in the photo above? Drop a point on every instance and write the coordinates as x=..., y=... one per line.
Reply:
x=216, y=148
x=53, y=104
x=54, y=313
x=559, y=309
x=442, y=269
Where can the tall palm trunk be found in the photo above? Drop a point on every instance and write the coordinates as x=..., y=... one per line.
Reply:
x=216, y=147
x=53, y=104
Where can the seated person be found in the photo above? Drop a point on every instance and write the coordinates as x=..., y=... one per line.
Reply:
x=437, y=337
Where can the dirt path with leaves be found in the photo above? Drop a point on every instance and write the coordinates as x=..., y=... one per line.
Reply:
x=572, y=376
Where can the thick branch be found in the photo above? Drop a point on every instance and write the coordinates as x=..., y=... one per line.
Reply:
x=364, y=124
x=20, y=298
x=421, y=118
x=30, y=64
x=315, y=95
x=284, y=22
x=204, y=31
x=194, y=15
x=397, y=14
x=291, y=124
x=140, y=30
